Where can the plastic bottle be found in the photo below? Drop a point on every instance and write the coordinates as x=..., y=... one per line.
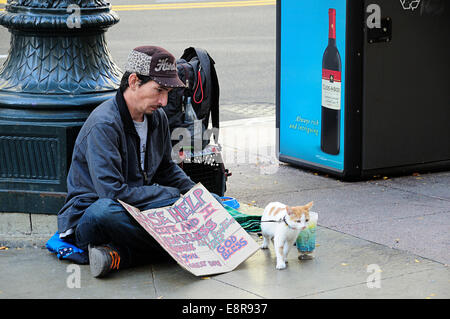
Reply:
x=189, y=114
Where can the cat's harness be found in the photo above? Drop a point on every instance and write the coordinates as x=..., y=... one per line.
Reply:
x=278, y=221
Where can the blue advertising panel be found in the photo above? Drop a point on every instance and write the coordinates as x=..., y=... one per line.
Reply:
x=312, y=81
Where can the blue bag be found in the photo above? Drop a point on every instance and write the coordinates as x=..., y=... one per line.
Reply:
x=65, y=250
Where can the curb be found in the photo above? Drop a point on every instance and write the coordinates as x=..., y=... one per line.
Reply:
x=26, y=229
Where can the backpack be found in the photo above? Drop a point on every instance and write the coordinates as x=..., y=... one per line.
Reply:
x=196, y=69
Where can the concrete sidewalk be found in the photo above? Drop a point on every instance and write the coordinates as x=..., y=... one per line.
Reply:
x=384, y=238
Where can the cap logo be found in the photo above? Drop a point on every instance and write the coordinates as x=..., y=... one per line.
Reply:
x=139, y=62
x=165, y=65
x=156, y=63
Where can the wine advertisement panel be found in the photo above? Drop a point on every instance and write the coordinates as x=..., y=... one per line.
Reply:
x=311, y=55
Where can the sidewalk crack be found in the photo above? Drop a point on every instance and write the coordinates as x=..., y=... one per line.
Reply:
x=361, y=283
x=228, y=284
x=415, y=193
x=154, y=281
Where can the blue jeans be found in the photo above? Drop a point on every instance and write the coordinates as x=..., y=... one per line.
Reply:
x=106, y=222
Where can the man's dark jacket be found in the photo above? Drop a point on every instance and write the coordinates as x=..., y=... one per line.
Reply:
x=106, y=163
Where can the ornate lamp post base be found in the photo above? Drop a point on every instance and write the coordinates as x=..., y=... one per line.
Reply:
x=57, y=71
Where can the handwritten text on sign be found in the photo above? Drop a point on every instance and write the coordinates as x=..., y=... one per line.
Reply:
x=198, y=233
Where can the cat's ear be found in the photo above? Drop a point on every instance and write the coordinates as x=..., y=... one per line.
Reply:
x=309, y=205
x=289, y=210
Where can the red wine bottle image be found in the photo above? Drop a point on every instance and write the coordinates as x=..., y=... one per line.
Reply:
x=331, y=92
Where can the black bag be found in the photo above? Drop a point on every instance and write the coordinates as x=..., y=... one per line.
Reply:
x=196, y=69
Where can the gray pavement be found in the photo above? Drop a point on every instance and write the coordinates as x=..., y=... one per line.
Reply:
x=384, y=238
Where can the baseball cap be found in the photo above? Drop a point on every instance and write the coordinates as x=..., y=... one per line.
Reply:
x=156, y=63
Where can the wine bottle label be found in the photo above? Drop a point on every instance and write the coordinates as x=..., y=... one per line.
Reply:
x=331, y=89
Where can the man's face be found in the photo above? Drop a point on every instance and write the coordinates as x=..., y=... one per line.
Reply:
x=149, y=96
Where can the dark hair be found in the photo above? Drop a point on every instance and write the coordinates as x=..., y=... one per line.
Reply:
x=124, y=81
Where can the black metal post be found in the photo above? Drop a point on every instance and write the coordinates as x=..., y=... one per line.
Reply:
x=57, y=71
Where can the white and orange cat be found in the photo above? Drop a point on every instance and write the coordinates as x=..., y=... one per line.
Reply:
x=283, y=223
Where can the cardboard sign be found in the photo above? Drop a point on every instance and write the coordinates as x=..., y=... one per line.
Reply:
x=198, y=233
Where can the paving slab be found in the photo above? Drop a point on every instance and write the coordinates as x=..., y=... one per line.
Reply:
x=339, y=270
x=37, y=274
x=424, y=235
x=390, y=216
x=427, y=284
x=433, y=185
x=249, y=182
x=340, y=261
x=172, y=282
